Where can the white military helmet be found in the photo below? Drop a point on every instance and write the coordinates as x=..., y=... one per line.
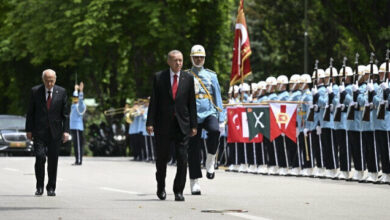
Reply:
x=334, y=72
x=197, y=51
x=321, y=74
x=294, y=78
x=282, y=79
x=254, y=87
x=271, y=81
x=348, y=71
x=230, y=90
x=305, y=78
x=261, y=85
x=236, y=89
x=361, y=70
x=382, y=68
x=245, y=87
x=374, y=68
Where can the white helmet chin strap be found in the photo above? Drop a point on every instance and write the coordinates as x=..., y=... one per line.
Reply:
x=198, y=66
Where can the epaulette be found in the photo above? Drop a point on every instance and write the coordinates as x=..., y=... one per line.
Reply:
x=210, y=71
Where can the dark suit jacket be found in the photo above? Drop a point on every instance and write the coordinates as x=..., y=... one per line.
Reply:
x=40, y=120
x=162, y=107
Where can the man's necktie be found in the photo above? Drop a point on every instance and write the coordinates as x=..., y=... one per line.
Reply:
x=48, y=101
x=174, y=86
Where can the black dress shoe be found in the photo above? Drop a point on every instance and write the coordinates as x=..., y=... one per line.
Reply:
x=179, y=197
x=198, y=193
x=161, y=194
x=210, y=175
x=51, y=192
x=39, y=192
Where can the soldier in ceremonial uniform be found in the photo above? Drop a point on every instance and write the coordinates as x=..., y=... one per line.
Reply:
x=77, y=111
x=261, y=152
x=209, y=114
x=293, y=149
x=280, y=141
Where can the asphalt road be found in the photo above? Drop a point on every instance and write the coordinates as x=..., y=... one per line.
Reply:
x=117, y=188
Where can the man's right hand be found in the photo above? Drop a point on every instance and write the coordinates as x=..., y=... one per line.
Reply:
x=194, y=131
x=29, y=135
x=81, y=87
x=149, y=129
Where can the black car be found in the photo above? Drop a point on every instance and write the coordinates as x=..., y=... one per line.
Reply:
x=13, y=139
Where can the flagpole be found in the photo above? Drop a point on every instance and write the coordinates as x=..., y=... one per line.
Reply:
x=239, y=68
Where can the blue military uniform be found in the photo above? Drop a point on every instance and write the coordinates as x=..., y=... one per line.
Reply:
x=209, y=112
x=77, y=126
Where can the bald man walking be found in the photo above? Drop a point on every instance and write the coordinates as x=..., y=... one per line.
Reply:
x=47, y=124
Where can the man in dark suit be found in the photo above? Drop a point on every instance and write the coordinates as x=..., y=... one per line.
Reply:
x=47, y=124
x=172, y=118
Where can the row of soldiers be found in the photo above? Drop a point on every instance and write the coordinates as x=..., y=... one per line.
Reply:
x=342, y=123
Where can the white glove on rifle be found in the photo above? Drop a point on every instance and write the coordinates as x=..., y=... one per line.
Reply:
x=370, y=86
x=355, y=87
x=318, y=128
x=329, y=89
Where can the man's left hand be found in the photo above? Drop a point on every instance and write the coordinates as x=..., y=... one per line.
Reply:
x=193, y=132
x=65, y=137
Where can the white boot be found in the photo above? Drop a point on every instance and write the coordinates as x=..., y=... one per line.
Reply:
x=385, y=178
x=230, y=168
x=358, y=175
x=272, y=170
x=210, y=163
x=283, y=171
x=307, y=172
x=330, y=173
x=371, y=177
x=262, y=169
x=195, y=187
x=294, y=171
x=236, y=168
x=343, y=175
x=252, y=169
x=243, y=168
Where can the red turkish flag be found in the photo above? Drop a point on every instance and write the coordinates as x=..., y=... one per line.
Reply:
x=241, y=67
x=283, y=120
x=238, y=131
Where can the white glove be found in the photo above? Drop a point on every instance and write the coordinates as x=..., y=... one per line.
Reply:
x=222, y=127
x=315, y=107
x=384, y=85
x=318, y=128
x=329, y=89
x=342, y=107
x=370, y=86
x=331, y=107
x=305, y=130
x=352, y=103
x=355, y=87
x=314, y=90
x=341, y=88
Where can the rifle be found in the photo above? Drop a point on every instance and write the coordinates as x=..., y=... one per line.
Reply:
x=380, y=114
x=337, y=114
x=351, y=108
x=310, y=117
x=367, y=109
x=327, y=111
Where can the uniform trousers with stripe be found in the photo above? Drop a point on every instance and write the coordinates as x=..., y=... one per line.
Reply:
x=371, y=151
x=281, y=152
x=306, y=157
x=341, y=143
x=293, y=154
x=317, y=149
x=382, y=141
x=358, y=155
x=78, y=145
x=270, y=147
x=330, y=154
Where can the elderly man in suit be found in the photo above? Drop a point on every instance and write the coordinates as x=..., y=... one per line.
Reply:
x=47, y=124
x=172, y=118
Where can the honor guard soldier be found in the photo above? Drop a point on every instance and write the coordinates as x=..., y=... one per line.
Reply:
x=280, y=141
x=326, y=103
x=293, y=149
x=209, y=114
x=304, y=126
x=76, y=126
x=242, y=147
x=340, y=123
x=273, y=160
x=318, y=90
x=382, y=123
x=262, y=152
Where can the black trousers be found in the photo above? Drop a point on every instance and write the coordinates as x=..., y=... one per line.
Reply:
x=270, y=147
x=293, y=154
x=371, y=151
x=330, y=154
x=382, y=142
x=231, y=156
x=78, y=145
x=358, y=153
x=210, y=124
x=341, y=143
x=163, y=144
x=317, y=148
x=281, y=150
x=50, y=149
x=305, y=150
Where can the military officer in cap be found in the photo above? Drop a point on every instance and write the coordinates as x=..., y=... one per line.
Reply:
x=209, y=114
x=76, y=126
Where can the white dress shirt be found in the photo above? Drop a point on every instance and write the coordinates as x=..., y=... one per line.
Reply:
x=47, y=94
x=172, y=78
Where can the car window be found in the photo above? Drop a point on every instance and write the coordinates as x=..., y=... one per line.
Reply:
x=12, y=123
